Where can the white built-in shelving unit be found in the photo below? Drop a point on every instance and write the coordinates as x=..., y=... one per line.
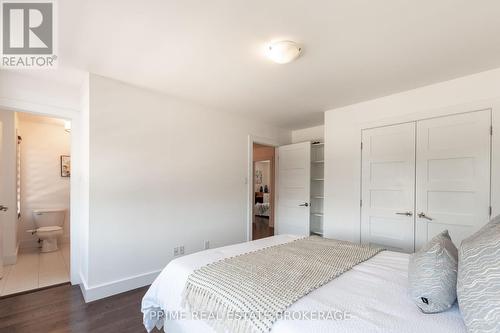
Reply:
x=317, y=187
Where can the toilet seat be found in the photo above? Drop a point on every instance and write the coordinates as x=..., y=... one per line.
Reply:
x=48, y=236
x=47, y=229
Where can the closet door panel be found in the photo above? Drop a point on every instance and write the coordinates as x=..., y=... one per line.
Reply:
x=453, y=175
x=388, y=187
x=294, y=177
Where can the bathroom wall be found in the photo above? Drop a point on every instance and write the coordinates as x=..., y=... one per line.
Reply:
x=8, y=219
x=44, y=140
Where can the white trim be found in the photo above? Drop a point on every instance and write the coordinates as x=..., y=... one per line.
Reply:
x=93, y=293
x=75, y=189
x=250, y=189
x=41, y=109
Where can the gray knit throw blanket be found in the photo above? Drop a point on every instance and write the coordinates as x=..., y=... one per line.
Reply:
x=247, y=293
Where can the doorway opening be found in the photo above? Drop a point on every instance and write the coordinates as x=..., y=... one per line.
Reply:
x=263, y=191
x=35, y=171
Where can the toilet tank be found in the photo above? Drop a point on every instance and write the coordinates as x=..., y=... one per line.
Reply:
x=49, y=217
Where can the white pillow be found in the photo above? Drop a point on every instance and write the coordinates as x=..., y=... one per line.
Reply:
x=478, y=286
x=432, y=274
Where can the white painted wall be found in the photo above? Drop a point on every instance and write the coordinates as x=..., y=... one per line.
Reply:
x=8, y=219
x=316, y=133
x=44, y=140
x=154, y=164
x=29, y=92
x=343, y=136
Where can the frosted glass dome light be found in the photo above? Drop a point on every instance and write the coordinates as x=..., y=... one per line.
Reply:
x=284, y=51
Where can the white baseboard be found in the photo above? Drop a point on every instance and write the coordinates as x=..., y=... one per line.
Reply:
x=93, y=293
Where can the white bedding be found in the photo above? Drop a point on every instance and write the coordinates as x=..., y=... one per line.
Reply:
x=262, y=209
x=373, y=294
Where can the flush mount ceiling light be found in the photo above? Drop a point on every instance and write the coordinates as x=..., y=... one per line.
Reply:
x=283, y=52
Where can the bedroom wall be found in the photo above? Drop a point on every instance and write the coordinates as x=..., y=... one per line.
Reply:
x=154, y=164
x=263, y=153
x=316, y=133
x=343, y=136
x=44, y=140
x=265, y=168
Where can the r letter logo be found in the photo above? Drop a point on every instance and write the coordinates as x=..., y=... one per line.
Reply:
x=28, y=34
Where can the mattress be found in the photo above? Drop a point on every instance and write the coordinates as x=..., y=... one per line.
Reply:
x=371, y=297
x=262, y=209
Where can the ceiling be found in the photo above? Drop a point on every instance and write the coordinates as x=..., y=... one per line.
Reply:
x=211, y=52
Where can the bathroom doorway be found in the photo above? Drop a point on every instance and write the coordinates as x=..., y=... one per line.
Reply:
x=264, y=191
x=35, y=170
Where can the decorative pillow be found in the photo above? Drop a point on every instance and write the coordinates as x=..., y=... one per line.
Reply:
x=432, y=274
x=478, y=286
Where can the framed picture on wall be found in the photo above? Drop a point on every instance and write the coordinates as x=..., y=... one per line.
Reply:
x=65, y=166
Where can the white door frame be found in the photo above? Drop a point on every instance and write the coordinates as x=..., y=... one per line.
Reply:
x=250, y=188
x=76, y=190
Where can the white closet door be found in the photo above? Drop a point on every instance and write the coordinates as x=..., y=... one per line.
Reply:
x=453, y=175
x=294, y=177
x=3, y=215
x=388, y=187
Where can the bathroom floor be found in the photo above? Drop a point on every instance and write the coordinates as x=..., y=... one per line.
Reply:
x=35, y=270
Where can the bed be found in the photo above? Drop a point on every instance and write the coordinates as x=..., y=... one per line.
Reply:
x=373, y=294
x=262, y=209
x=262, y=204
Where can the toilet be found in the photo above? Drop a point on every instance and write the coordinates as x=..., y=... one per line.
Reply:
x=49, y=226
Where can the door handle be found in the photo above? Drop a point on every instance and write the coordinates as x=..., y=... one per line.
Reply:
x=423, y=216
x=305, y=204
x=405, y=213
x=3, y=208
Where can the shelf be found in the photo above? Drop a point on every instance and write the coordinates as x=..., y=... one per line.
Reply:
x=317, y=183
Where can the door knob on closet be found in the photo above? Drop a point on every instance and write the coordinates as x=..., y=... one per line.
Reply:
x=3, y=208
x=405, y=213
x=423, y=216
x=305, y=204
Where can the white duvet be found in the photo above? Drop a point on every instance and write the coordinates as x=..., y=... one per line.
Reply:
x=373, y=295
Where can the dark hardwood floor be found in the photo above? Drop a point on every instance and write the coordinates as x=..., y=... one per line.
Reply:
x=261, y=228
x=62, y=309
